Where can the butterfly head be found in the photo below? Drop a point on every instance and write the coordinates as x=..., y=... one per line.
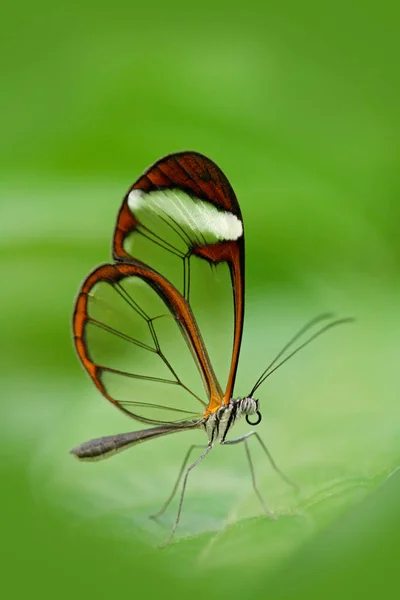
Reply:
x=249, y=406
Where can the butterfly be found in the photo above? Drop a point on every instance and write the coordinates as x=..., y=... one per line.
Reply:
x=181, y=214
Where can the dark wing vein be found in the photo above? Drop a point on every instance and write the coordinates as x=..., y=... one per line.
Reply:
x=160, y=241
x=130, y=301
x=161, y=406
x=136, y=376
x=120, y=334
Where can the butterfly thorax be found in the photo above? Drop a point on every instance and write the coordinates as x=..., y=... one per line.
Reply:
x=218, y=423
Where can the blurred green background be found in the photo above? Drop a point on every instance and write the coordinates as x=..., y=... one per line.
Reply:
x=299, y=104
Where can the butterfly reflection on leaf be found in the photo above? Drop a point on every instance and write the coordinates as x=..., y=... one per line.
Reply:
x=178, y=219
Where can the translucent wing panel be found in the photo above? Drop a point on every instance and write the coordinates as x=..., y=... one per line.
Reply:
x=208, y=288
x=212, y=304
x=133, y=348
x=160, y=403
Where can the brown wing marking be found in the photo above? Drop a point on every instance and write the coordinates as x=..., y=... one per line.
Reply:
x=188, y=171
x=178, y=306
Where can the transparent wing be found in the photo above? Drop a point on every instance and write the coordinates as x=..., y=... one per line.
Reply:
x=128, y=319
x=181, y=217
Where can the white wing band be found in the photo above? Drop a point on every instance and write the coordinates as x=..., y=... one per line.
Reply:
x=195, y=216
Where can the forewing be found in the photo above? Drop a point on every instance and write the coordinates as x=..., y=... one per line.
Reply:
x=180, y=215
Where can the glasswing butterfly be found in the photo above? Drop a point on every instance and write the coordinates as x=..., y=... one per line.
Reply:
x=181, y=214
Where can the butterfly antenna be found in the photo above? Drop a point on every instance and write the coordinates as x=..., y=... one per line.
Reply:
x=301, y=332
x=269, y=370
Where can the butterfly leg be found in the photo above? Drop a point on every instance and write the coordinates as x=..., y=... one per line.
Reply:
x=171, y=496
x=243, y=439
x=273, y=463
x=192, y=466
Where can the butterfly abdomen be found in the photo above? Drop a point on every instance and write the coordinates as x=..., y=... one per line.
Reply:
x=108, y=445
